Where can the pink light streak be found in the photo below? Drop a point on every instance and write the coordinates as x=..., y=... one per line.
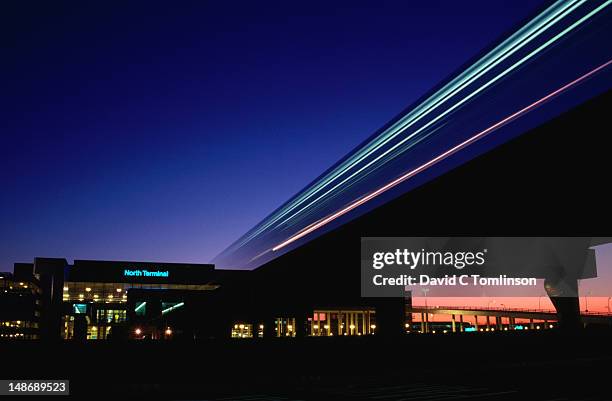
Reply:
x=435, y=160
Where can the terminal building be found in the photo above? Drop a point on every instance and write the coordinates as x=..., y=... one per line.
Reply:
x=91, y=300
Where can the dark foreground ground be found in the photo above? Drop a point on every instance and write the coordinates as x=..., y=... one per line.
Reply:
x=497, y=366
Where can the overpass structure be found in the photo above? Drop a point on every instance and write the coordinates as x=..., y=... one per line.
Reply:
x=491, y=319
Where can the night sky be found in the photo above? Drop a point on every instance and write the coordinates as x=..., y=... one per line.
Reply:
x=136, y=131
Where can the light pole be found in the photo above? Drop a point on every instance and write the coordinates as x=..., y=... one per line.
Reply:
x=540, y=302
x=586, y=301
x=425, y=291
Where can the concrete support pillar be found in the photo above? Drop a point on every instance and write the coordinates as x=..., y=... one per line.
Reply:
x=461, y=329
x=422, y=322
x=347, y=323
x=563, y=293
x=364, y=323
x=476, y=322
x=453, y=323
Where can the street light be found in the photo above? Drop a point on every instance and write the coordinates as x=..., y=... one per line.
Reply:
x=425, y=291
x=586, y=301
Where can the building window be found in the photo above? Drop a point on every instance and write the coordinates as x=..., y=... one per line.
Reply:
x=79, y=308
x=141, y=308
x=107, y=316
x=241, y=330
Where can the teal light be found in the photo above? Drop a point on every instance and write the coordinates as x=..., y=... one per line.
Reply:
x=140, y=307
x=170, y=309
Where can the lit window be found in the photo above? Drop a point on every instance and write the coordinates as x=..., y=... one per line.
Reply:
x=141, y=308
x=79, y=308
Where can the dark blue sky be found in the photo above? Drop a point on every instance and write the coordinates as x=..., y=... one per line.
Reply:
x=143, y=132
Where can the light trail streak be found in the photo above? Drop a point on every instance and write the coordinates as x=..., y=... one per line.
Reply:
x=458, y=104
x=438, y=158
x=511, y=45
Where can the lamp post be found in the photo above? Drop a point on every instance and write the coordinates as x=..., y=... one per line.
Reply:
x=586, y=301
x=425, y=291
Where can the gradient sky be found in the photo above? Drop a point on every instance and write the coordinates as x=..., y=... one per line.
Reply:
x=136, y=131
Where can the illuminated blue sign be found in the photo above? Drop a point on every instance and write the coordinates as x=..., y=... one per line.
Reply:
x=145, y=273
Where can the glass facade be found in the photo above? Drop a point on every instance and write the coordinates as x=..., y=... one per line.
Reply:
x=19, y=329
x=330, y=322
x=117, y=292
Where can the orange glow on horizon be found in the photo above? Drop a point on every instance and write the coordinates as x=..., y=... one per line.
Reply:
x=589, y=304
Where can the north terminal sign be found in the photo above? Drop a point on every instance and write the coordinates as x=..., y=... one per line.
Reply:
x=145, y=273
x=108, y=271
